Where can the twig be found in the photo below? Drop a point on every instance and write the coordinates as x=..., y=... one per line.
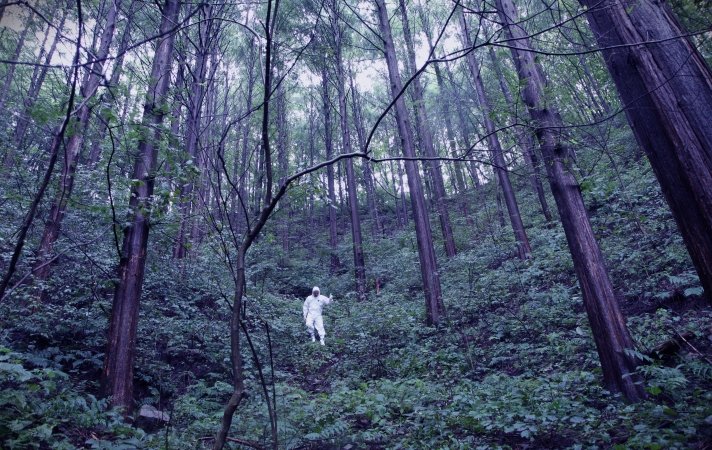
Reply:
x=692, y=346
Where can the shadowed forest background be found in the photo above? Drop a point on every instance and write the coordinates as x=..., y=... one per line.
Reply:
x=508, y=199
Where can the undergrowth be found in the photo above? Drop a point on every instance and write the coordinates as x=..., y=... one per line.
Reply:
x=513, y=366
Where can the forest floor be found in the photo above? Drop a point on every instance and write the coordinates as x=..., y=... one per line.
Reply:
x=513, y=366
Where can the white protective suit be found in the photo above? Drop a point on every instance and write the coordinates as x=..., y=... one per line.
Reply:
x=312, y=313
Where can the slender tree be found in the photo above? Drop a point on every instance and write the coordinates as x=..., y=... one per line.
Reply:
x=500, y=166
x=202, y=44
x=359, y=264
x=434, y=308
x=331, y=189
x=421, y=123
x=607, y=322
x=71, y=154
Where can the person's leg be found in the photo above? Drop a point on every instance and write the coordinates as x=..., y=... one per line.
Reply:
x=319, y=325
x=310, y=327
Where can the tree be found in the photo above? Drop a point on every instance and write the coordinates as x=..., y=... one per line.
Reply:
x=434, y=308
x=117, y=374
x=665, y=85
x=359, y=264
x=500, y=166
x=71, y=158
x=331, y=192
x=203, y=44
x=607, y=322
x=421, y=123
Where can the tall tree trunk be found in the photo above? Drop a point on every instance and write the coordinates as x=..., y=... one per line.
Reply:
x=117, y=375
x=359, y=264
x=333, y=226
x=193, y=122
x=666, y=87
x=368, y=175
x=607, y=322
x=445, y=107
x=500, y=166
x=434, y=308
x=53, y=225
x=283, y=162
x=245, y=137
x=421, y=122
x=526, y=144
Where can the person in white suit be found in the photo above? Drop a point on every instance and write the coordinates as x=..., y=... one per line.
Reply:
x=312, y=313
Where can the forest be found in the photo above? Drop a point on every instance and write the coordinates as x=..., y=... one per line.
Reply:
x=509, y=202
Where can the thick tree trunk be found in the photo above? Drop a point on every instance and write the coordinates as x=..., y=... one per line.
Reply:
x=71, y=153
x=607, y=322
x=434, y=308
x=666, y=88
x=421, y=121
x=333, y=226
x=117, y=375
x=500, y=166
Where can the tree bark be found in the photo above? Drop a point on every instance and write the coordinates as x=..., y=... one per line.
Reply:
x=421, y=122
x=607, y=322
x=500, y=166
x=117, y=374
x=665, y=86
x=434, y=307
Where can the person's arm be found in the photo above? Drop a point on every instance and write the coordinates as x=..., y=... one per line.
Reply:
x=305, y=308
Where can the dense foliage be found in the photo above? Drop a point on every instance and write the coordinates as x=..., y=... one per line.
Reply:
x=513, y=365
